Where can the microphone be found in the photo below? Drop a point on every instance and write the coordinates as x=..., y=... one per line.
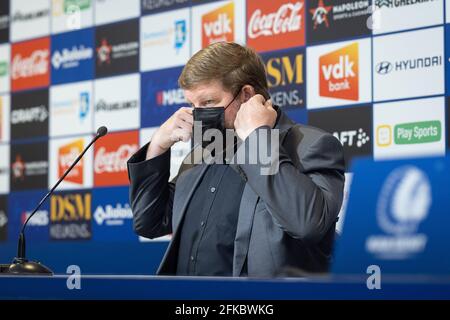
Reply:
x=21, y=265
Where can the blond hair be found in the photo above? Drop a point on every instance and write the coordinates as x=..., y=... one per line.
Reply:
x=230, y=63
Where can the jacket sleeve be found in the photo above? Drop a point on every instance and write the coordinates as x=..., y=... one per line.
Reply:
x=151, y=195
x=304, y=199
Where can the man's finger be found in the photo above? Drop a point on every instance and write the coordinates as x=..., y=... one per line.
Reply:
x=259, y=98
x=188, y=118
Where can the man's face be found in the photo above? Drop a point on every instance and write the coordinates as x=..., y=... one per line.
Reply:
x=213, y=94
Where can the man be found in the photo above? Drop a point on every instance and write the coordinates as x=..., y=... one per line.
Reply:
x=230, y=219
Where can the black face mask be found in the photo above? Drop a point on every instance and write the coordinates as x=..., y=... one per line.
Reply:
x=211, y=118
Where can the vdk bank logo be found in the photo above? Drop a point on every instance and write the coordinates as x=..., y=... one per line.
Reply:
x=409, y=133
x=403, y=204
x=339, y=73
x=218, y=25
x=67, y=155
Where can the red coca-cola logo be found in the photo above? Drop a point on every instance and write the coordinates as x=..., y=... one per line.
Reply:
x=111, y=155
x=113, y=161
x=273, y=25
x=30, y=64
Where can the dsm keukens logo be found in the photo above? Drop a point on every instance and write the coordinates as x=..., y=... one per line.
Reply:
x=403, y=205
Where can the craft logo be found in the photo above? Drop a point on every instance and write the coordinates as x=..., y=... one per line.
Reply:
x=117, y=48
x=398, y=4
x=353, y=138
x=285, y=77
x=273, y=25
x=386, y=67
x=403, y=204
x=336, y=19
x=29, y=114
x=339, y=73
x=30, y=64
x=66, y=156
x=153, y=6
x=29, y=166
x=351, y=126
x=218, y=25
x=70, y=216
x=409, y=133
x=111, y=155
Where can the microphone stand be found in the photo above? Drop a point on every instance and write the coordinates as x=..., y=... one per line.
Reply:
x=21, y=265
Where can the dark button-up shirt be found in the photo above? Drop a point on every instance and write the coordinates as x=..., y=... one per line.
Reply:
x=207, y=236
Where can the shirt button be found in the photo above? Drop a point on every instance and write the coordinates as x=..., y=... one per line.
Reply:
x=213, y=189
x=202, y=223
x=192, y=258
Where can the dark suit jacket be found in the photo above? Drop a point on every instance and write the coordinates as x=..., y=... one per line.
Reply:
x=285, y=220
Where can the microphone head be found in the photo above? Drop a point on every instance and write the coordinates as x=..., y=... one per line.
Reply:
x=102, y=131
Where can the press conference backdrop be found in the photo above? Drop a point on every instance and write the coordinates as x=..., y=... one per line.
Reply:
x=373, y=74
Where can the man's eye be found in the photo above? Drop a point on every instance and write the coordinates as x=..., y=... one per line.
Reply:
x=209, y=102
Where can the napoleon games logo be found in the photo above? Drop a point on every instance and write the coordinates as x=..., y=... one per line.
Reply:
x=403, y=204
x=70, y=216
x=104, y=52
x=320, y=15
x=218, y=25
x=66, y=156
x=339, y=73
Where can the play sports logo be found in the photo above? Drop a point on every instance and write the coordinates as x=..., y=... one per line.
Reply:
x=218, y=25
x=409, y=133
x=339, y=73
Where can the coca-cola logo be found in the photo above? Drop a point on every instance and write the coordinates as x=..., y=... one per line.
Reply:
x=113, y=161
x=34, y=65
x=288, y=18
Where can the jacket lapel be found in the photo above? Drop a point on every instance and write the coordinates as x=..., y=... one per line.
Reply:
x=248, y=206
x=244, y=228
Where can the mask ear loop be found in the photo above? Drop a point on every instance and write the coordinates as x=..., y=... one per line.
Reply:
x=234, y=98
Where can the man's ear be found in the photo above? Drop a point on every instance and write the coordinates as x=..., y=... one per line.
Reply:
x=247, y=92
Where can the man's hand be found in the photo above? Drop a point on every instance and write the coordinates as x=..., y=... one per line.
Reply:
x=254, y=113
x=177, y=128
